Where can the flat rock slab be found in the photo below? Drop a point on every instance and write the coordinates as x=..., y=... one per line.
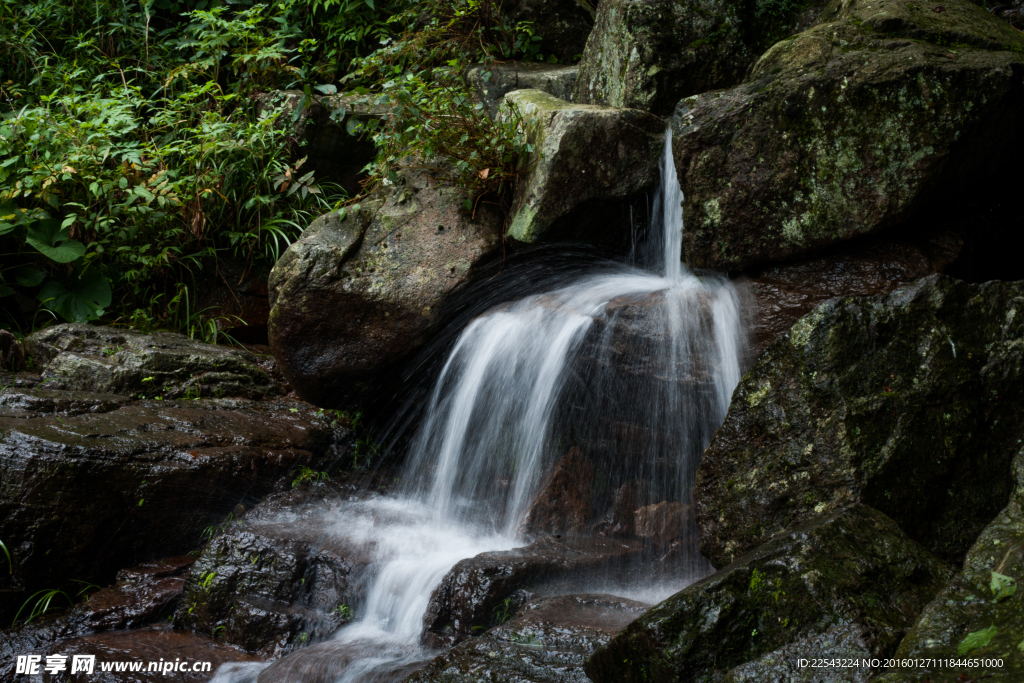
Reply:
x=91, y=483
x=547, y=641
x=849, y=583
x=79, y=357
x=911, y=403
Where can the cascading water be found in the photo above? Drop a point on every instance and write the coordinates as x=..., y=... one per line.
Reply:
x=635, y=368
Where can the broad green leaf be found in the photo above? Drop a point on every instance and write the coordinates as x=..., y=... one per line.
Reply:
x=327, y=89
x=5, y=291
x=29, y=277
x=977, y=639
x=83, y=298
x=47, y=237
x=1002, y=586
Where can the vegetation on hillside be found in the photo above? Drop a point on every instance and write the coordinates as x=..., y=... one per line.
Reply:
x=137, y=148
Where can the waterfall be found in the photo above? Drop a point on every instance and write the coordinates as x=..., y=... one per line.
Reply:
x=654, y=356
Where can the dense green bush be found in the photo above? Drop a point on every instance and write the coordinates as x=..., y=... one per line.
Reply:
x=136, y=148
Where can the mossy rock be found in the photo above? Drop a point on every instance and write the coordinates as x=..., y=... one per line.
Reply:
x=90, y=358
x=846, y=129
x=968, y=605
x=570, y=177
x=912, y=403
x=847, y=584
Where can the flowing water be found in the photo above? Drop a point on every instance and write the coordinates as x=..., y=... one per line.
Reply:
x=635, y=367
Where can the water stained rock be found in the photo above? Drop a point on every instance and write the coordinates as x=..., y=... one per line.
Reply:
x=564, y=505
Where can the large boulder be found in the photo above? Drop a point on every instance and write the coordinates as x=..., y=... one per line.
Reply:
x=912, y=403
x=547, y=641
x=88, y=358
x=982, y=599
x=845, y=585
x=650, y=54
x=573, y=188
x=92, y=483
x=357, y=294
x=847, y=129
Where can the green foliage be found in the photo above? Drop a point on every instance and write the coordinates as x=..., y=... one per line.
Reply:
x=432, y=115
x=344, y=611
x=503, y=611
x=136, y=149
x=305, y=475
x=7, y=553
x=43, y=601
x=977, y=639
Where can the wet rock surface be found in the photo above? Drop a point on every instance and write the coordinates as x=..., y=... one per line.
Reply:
x=278, y=578
x=478, y=590
x=846, y=129
x=548, y=640
x=492, y=83
x=565, y=502
x=909, y=402
x=575, y=190
x=970, y=605
x=79, y=357
x=91, y=483
x=355, y=297
x=142, y=595
x=848, y=582
x=156, y=644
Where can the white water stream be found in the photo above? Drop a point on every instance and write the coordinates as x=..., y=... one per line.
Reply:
x=496, y=423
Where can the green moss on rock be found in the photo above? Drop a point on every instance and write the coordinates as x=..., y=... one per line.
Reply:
x=910, y=402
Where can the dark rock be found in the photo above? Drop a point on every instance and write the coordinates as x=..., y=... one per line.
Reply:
x=355, y=296
x=78, y=357
x=491, y=84
x=572, y=184
x=277, y=579
x=846, y=129
x=848, y=581
x=564, y=504
x=93, y=483
x=910, y=403
x=969, y=605
x=474, y=592
x=547, y=642
x=12, y=356
x=563, y=25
